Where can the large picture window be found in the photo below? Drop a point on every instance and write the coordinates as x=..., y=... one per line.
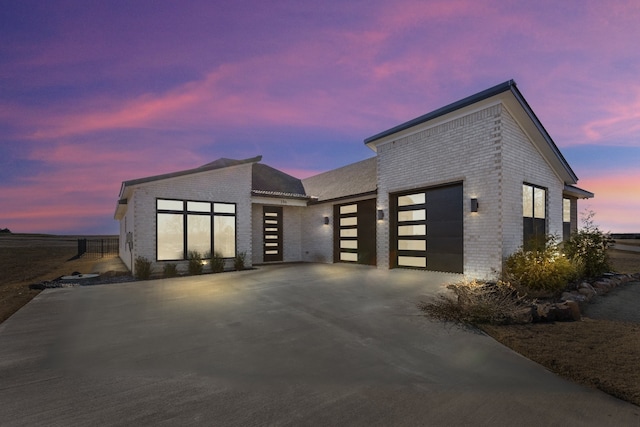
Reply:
x=184, y=226
x=534, y=215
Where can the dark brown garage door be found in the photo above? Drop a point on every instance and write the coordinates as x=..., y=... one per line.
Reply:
x=427, y=229
x=355, y=232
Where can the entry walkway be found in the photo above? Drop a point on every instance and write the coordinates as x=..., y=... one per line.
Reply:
x=279, y=345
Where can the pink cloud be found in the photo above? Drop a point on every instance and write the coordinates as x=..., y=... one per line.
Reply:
x=617, y=200
x=621, y=121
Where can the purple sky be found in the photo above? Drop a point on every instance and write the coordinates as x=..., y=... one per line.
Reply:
x=94, y=93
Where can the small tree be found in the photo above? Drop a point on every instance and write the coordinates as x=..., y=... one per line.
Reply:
x=588, y=247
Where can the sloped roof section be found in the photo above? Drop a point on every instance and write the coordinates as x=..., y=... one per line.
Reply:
x=268, y=181
x=217, y=164
x=512, y=97
x=351, y=180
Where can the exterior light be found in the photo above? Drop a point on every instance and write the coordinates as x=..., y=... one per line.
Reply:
x=326, y=220
x=380, y=214
x=474, y=205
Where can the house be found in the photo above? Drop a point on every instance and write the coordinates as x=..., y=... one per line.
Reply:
x=457, y=190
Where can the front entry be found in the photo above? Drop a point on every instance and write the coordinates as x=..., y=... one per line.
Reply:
x=272, y=233
x=355, y=232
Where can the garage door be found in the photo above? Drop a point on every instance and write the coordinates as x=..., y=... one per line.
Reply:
x=427, y=229
x=355, y=232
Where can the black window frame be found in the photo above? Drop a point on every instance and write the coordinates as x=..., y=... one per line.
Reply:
x=534, y=230
x=185, y=212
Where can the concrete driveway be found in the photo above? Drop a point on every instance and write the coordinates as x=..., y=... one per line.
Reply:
x=280, y=345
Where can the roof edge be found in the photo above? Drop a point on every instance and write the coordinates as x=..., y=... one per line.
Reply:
x=574, y=191
x=465, y=102
x=205, y=168
x=525, y=105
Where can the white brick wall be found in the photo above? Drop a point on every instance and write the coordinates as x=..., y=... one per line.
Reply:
x=466, y=149
x=317, y=238
x=231, y=185
x=522, y=162
x=127, y=225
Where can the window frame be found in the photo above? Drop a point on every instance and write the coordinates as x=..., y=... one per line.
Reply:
x=185, y=213
x=534, y=227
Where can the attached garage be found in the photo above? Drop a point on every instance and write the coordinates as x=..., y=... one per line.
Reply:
x=427, y=229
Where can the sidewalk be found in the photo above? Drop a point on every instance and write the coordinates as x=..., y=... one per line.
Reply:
x=114, y=264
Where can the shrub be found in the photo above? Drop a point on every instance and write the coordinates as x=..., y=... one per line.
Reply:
x=476, y=303
x=238, y=261
x=217, y=263
x=588, y=247
x=142, y=268
x=195, y=263
x=541, y=269
x=170, y=270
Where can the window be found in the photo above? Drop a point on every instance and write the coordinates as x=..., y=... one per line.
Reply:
x=184, y=226
x=534, y=224
x=566, y=219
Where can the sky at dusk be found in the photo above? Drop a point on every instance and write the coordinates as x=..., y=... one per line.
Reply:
x=93, y=93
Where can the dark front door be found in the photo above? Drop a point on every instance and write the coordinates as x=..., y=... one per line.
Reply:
x=355, y=232
x=272, y=233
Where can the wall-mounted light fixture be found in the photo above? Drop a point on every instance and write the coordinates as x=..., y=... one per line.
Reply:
x=326, y=220
x=474, y=205
x=380, y=214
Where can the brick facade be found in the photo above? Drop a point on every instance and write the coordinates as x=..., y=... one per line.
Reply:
x=228, y=185
x=490, y=143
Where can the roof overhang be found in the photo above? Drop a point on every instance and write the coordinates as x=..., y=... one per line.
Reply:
x=578, y=193
x=506, y=94
x=121, y=209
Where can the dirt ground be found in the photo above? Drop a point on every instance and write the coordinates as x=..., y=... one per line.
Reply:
x=597, y=353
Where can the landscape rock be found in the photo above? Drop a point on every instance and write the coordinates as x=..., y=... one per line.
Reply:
x=575, y=310
x=588, y=293
x=524, y=315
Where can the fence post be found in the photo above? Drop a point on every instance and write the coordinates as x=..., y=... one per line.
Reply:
x=82, y=247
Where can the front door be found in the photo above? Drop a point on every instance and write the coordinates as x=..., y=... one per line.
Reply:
x=272, y=233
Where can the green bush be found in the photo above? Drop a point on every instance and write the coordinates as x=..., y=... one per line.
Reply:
x=588, y=247
x=476, y=303
x=142, y=268
x=195, y=263
x=238, y=261
x=541, y=269
x=170, y=270
x=217, y=263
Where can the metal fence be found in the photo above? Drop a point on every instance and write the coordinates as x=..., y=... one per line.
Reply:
x=98, y=248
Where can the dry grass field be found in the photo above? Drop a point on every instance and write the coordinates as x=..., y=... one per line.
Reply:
x=597, y=353
x=33, y=258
